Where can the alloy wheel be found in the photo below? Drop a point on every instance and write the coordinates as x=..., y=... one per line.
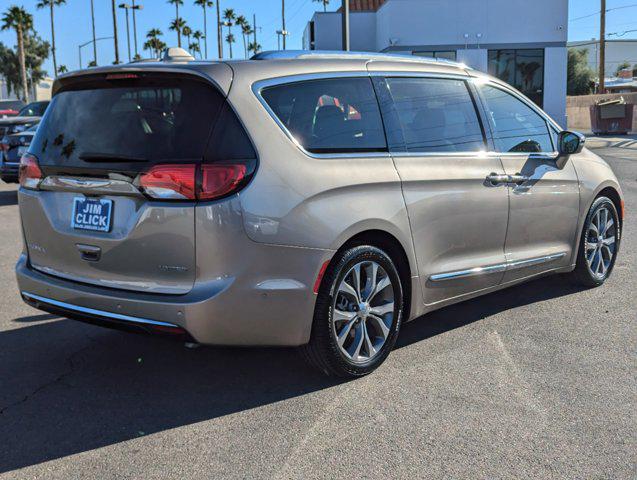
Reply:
x=363, y=311
x=601, y=242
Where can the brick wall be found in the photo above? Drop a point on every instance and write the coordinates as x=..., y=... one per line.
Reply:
x=578, y=109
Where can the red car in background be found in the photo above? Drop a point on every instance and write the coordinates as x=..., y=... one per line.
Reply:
x=10, y=108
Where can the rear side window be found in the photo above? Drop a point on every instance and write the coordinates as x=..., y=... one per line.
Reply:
x=516, y=127
x=339, y=115
x=133, y=123
x=436, y=115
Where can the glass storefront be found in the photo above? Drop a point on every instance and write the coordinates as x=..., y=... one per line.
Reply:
x=446, y=54
x=522, y=69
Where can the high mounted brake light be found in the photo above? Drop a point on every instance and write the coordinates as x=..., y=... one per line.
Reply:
x=121, y=76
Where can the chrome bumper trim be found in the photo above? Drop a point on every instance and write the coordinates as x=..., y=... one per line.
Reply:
x=99, y=313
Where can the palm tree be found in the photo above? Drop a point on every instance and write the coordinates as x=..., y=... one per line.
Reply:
x=198, y=35
x=230, y=40
x=194, y=48
x=254, y=47
x=203, y=4
x=153, y=41
x=176, y=3
x=324, y=2
x=219, y=40
x=246, y=31
x=16, y=18
x=186, y=31
x=176, y=26
x=51, y=4
x=115, y=42
x=62, y=69
x=229, y=17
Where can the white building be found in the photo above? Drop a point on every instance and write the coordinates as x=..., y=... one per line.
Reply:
x=522, y=42
x=617, y=52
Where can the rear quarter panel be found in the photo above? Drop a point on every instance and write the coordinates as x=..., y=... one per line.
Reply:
x=298, y=200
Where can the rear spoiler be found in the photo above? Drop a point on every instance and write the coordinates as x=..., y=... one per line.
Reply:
x=219, y=74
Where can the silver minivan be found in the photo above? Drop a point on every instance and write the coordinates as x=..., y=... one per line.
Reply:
x=315, y=200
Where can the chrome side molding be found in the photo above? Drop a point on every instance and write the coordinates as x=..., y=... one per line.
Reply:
x=92, y=311
x=501, y=267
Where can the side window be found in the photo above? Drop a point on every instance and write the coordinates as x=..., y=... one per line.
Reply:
x=437, y=115
x=337, y=115
x=516, y=127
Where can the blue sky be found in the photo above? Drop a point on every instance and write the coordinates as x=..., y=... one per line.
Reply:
x=73, y=25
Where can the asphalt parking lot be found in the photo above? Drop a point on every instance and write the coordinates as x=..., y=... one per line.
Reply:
x=537, y=381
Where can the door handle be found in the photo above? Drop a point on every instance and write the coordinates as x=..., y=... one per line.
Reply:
x=497, y=178
x=518, y=179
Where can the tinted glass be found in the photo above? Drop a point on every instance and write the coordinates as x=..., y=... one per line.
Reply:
x=437, y=115
x=330, y=116
x=522, y=69
x=35, y=109
x=146, y=120
x=516, y=127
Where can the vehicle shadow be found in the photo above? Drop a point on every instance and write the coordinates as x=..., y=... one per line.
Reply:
x=8, y=198
x=67, y=387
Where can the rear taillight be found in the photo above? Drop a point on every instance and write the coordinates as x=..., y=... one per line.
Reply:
x=192, y=182
x=220, y=180
x=30, y=173
x=170, y=182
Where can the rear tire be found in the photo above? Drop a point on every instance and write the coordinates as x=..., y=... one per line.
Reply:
x=599, y=244
x=358, y=313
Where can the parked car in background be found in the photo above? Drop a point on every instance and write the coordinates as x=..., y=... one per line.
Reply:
x=10, y=108
x=28, y=116
x=12, y=147
x=316, y=200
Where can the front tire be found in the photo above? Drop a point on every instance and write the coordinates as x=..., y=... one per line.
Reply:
x=358, y=313
x=599, y=244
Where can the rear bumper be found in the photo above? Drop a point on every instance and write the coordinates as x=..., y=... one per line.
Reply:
x=271, y=305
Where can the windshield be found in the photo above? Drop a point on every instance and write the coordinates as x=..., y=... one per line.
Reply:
x=35, y=109
x=131, y=121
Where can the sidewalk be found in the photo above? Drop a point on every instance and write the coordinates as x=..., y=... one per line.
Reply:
x=614, y=141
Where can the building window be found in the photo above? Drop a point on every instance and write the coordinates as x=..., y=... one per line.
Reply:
x=444, y=54
x=522, y=69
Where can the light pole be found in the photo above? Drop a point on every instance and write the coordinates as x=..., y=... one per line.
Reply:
x=135, y=7
x=281, y=33
x=127, y=7
x=345, y=23
x=115, y=32
x=79, y=48
x=94, y=41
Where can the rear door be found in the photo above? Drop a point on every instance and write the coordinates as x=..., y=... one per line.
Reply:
x=457, y=207
x=543, y=197
x=92, y=220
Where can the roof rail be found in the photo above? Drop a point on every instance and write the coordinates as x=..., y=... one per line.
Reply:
x=337, y=54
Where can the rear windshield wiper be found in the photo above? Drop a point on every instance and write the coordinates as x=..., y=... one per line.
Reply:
x=110, y=158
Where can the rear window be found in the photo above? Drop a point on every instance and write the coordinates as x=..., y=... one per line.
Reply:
x=137, y=122
x=330, y=116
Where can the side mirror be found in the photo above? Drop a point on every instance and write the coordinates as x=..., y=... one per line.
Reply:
x=568, y=143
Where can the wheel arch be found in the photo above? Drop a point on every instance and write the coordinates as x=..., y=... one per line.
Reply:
x=397, y=252
x=612, y=193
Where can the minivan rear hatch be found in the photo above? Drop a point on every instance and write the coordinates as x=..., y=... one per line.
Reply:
x=90, y=218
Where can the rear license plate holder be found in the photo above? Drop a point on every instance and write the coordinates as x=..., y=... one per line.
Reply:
x=94, y=214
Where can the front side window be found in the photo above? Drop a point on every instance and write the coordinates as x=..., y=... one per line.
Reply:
x=331, y=115
x=515, y=126
x=436, y=115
